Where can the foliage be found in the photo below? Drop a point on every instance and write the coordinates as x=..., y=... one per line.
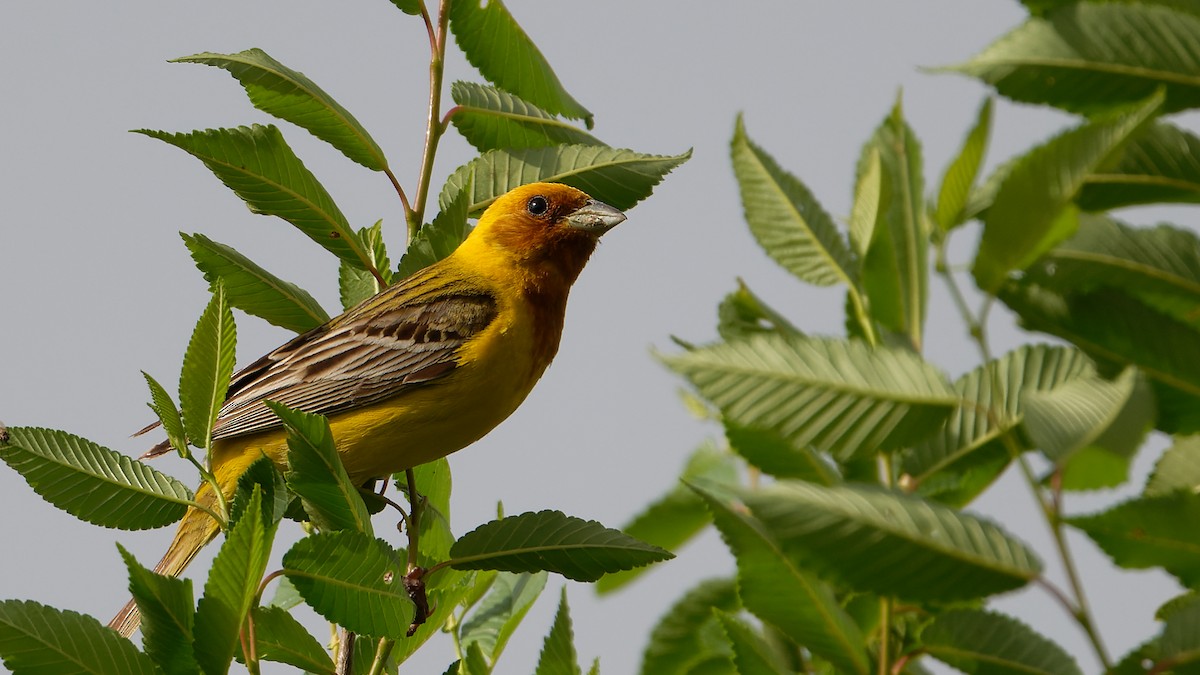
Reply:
x=386, y=599
x=854, y=547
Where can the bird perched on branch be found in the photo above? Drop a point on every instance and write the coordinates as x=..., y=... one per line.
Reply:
x=422, y=369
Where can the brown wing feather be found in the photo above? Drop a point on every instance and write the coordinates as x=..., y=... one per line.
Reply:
x=348, y=364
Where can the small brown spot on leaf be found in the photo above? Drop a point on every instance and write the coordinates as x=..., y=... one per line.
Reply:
x=334, y=235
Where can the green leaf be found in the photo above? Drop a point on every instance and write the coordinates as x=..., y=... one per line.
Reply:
x=1150, y=532
x=438, y=239
x=40, y=640
x=168, y=415
x=1089, y=57
x=410, y=7
x=280, y=638
x=619, y=178
x=1090, y=412
x=895, y=270
x=988, y=643
x=558, y=651
x=168, y=615
x=787, y=220
x=689, y=634
x=879, y=541
x=353, y=580
x=1180, y=641
x=207, y=366
x=493, y=42
x=93, y=483
x=264, y=477
x=581, y=550
x=751, y=654
x=1177, y=470
x=782, y=594
x=960, y=176
x=1160, y=266
x=1116, y=329
x=991, y=406
x=356, y=284
x=289, y=95
x=491, y=625
x=258, y=165
x=1033, y=210
x=475, y=663
x=675, y=518
x=491, y=119
x=252, y=289
x=868, y=195
x=742, y=313
x=316, y=473
x=770, y=453
x=1161, y=164
x=837, y=396
x=231, y=588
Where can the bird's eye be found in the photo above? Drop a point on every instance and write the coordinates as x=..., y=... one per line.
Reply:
x=537, y=205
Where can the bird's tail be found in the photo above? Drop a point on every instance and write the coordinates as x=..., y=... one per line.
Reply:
x=195, y=530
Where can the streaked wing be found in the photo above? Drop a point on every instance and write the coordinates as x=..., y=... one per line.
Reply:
x=366, y=356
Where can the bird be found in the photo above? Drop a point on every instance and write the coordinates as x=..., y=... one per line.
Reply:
x=424, y=368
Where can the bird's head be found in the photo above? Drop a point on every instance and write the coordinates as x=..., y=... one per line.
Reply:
x=545, y=228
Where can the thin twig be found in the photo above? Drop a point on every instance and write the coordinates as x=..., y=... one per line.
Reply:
x=382, y=652
x=345, y=661
x=433, y=127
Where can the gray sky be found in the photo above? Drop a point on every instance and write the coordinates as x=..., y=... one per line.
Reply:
x=95, y=284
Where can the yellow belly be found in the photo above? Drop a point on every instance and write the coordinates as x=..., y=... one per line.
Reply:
x=496, y=373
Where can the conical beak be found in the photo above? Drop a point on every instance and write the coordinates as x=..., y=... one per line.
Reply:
x=595, y=217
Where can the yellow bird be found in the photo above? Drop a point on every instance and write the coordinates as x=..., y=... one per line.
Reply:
x=422, y=369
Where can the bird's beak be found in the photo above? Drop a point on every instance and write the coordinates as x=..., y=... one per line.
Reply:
x=595, y=217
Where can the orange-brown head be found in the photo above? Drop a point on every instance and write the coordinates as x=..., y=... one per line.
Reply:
x=545, y=230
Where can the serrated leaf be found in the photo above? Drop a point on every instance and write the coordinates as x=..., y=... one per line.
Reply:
x=353, y=580
x=864, y=213
x=1180, y=641
x=258, y=165
x=878, y=541
x=989, y=643
x=581, y=550
x=558, y=651
x=491, y=119
x=40, y=640
x=207, y=366
x=492, y=623
x=895, y=269
x=742, y=313
x=356, y=284
x=1118, y=330
x=770, y=453
x=1033, y=209
x=1177, y=470
x=1150, y=532
x=411, y=7
x=1088, y=57
x=1160, y=266
x=289, y=95
x=784, y=595
x=231, y=588
x=264, y=477
x=168, y=415
x=787, y=220
x=1090, y=412
x=679, y=515
x=316, y=473
x=280, y=638
x=751, y=654
x=838, y=396
x=493, y=42
x=688, y=634
x=438, y=239
x=959, y=180
x=168, y=615
x=93, y=483
x=252, y=289
x=619, y=178
x=1161, y=164
x=991, y=405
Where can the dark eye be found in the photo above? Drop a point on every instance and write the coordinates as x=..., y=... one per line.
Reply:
x=537, y=205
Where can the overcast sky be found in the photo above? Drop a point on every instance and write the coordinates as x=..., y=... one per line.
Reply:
x=95, y=284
